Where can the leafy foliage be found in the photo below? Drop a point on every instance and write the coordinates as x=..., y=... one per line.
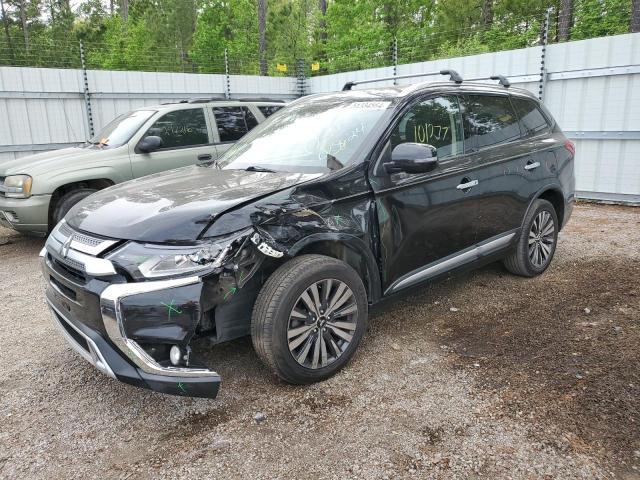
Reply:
x=193, y=35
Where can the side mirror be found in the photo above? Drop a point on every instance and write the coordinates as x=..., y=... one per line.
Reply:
x=149, y=144
x=412, y=158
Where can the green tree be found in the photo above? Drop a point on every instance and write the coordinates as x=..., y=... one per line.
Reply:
x=230, y=25
x=597, y=18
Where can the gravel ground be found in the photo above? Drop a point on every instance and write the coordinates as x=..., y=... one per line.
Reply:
x=484, y=375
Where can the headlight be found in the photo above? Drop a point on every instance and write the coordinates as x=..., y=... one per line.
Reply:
x=158, y=261
x=17, y=186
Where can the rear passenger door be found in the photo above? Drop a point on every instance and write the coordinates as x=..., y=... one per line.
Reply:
x=493, y=140
x=537, y=140
x=232, y=123
x=186, y=140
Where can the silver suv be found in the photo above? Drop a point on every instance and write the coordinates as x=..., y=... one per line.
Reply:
x=37, y=191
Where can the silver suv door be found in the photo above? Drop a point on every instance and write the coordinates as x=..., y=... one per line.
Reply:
x=186, y=140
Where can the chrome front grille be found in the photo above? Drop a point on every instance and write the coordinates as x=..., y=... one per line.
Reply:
x=79, y=251
x=64, y=230
x=87, y=240
x=81, y=241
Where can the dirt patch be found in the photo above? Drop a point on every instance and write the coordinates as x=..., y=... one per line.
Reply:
x=484, y=375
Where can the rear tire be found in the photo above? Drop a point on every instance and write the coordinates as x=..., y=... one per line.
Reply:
x=309, y=318
x=537, y=243
x=67, y=201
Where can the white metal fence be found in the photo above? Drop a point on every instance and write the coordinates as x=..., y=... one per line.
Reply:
x=592, y=87
x=45, y=108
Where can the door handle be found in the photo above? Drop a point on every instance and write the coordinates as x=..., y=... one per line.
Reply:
x=204, y=157
x=532, y=165
x=467, y=185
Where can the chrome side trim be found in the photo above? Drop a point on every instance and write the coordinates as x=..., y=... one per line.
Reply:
x=112, y=318
x=93, y=356
x=492, y=245
x=459, y=259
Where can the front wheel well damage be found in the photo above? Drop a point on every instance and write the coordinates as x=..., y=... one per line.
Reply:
x=347, y=254
x=62, y=190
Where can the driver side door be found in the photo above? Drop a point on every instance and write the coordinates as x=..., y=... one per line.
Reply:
x=186, y=140
x=426, y=221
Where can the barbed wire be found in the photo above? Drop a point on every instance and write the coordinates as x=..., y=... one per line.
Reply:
x=436, y=44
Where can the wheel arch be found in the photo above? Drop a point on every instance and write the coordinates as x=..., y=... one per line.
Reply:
x=553, y=194
x=351, y=250
x=60, y=191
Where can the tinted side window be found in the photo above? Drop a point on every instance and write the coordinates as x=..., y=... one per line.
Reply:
x=436, y=122
x=233, y=122
x=531, y=119
x=488, y=120
x=182, y=128
x=268, y=110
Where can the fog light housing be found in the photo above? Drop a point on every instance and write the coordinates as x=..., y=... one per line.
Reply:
x=175, y=355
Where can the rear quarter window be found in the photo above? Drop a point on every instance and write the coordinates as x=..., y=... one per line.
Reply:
x=233, y=122
x=268, y=110
x=488, y=120
x=532, y=121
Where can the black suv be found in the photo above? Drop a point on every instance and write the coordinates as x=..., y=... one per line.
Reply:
x=334, y=203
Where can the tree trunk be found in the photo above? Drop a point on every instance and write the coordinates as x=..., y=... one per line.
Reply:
x=25, y=28
x=566, y=20
x=5, y=21
x=487, y=12
x=635, y=16
x=262, y=27
x=124, y=9
x=111, y=7
x=322, y=6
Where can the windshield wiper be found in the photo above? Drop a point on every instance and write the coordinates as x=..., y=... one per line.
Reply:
x=255, y=168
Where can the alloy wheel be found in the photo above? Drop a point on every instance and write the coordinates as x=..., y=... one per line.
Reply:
x=322, y=323
x=541, y=239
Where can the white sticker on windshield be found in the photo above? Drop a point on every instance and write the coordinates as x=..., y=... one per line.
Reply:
x=369, y=105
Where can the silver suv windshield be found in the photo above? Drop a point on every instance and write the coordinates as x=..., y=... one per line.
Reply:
x=314, y=136
x=120, y=130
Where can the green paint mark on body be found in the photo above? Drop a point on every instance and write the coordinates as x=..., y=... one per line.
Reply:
x=182, y=387
x=171, y=308
x=231, y=291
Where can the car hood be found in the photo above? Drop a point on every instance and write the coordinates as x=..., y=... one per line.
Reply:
x=43, y=160
x=174, y=206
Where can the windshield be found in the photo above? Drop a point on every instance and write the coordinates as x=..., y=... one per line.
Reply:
x=119, y=131
x=313, y=136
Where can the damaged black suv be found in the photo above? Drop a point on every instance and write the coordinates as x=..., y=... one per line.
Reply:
x=334, y=203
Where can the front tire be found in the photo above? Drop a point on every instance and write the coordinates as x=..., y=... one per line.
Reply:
x=537, y=242
x=309, y=318
x=67, y=201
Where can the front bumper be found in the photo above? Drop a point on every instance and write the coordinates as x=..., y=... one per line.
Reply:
x=90, y=317
x=26, y=215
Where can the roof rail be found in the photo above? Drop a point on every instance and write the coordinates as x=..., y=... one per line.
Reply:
x=504, y=81
x=453, y=76
x=218, y=99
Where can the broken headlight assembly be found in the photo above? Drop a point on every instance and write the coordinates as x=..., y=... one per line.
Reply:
x=152, y=261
